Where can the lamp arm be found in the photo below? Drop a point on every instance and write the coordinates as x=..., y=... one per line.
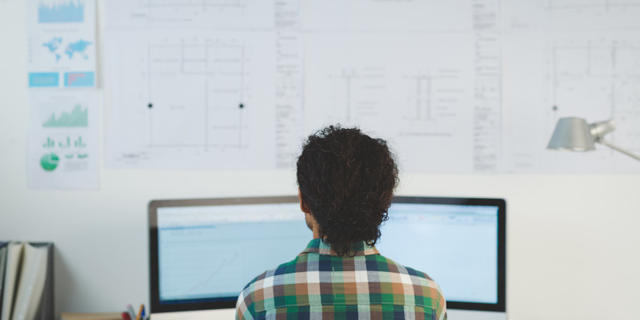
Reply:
x=616, y=148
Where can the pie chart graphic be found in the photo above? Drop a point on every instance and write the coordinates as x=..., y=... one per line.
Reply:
x=49, y=162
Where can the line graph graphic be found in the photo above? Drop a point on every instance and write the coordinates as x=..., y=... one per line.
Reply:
x=209, y=281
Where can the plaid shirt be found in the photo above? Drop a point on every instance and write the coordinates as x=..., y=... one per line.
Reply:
x=317, y=284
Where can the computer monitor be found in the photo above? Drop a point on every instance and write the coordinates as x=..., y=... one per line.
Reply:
x=203, y=251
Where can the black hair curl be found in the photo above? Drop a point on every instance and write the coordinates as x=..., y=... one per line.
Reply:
x=347, y=179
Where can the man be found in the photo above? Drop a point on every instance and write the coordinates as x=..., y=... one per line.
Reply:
x=346, y=181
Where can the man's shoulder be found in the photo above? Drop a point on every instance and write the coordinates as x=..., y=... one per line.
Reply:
x=259, y=281
x=400, y=268
x=415, y=277
x=273, y=288
x=418, y=273
x=255, y=294
x=425, y=290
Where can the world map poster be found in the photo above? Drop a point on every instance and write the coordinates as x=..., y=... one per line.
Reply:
x=62, y=44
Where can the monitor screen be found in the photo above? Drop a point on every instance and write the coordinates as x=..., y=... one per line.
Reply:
x=206, y=253
x=211, y=252
x=456, y=245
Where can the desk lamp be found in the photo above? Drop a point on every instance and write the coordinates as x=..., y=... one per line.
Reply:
x=575, y=134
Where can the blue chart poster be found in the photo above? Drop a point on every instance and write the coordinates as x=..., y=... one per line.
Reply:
x=62, y=43
x=63, y=117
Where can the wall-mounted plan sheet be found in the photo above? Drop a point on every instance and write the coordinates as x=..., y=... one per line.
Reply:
x=454, y=86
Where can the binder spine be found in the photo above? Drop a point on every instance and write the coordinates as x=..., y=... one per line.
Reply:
x=46, y=308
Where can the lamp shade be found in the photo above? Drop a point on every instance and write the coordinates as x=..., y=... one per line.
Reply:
x=572, y=134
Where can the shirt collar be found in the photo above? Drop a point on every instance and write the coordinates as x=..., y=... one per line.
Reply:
x=320, y=247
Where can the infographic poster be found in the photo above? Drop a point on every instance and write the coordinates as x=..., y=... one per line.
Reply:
x=62, y=43
x=63, y=139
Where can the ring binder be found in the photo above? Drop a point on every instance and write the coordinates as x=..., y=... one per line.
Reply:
x=27, y=285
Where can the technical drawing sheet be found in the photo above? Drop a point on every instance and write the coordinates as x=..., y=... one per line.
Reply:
x=454, y=86
x=570, y=58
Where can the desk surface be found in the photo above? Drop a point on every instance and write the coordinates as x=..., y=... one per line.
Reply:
x=92, y=316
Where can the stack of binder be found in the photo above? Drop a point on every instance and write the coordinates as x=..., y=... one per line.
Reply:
x=26, y=281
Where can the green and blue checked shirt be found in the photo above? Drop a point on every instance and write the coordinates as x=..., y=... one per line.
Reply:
x=317, y=284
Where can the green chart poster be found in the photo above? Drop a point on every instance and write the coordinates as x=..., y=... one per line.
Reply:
x=63, y=138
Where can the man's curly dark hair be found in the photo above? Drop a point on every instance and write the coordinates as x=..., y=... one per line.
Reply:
x=346, y=180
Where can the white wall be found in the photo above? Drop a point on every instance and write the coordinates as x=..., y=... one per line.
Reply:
x=573, y=240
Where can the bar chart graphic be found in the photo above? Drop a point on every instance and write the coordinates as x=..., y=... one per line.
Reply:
x=69, y=11
x=78, y=117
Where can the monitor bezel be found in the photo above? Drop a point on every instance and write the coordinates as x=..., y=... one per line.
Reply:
x=224, y=303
